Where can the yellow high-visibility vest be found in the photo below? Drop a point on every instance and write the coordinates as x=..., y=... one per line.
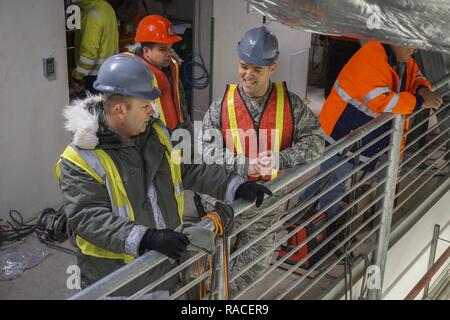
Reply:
x=101, y=167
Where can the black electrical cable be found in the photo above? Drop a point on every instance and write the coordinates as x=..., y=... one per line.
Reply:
x=196, y=62
x=365, y=257
x=201, y=81
x=50, y=227
x=16, y=229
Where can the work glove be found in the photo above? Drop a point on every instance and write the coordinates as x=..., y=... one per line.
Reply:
x=226, y=214
x=251, y=191
x=171, y=243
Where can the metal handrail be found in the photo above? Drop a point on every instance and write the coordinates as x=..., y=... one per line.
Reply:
x=151, y=259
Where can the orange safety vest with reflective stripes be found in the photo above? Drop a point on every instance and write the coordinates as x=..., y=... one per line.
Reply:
x=368, y=86
x=276, y=127
x=169, y=103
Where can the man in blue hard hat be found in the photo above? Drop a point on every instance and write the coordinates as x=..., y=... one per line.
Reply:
x=265, y=129
x=123, y=192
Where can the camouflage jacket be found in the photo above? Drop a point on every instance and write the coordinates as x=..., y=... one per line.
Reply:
x=308, y=141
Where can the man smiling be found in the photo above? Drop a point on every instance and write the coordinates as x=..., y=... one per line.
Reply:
x=265, y=129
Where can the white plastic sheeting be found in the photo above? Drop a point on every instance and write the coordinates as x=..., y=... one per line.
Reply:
x=423, y=24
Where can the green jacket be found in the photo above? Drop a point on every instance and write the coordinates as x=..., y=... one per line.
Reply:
x=140, y=162
x=98, y=38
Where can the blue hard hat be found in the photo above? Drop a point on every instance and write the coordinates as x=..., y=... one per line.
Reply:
x=126, y=75
x=258, y=46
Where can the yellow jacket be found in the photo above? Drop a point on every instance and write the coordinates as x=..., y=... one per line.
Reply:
x=98, y=38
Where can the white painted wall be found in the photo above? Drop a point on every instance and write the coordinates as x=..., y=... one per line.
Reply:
x=31, y=133
x=407, y=260
x=231, y=21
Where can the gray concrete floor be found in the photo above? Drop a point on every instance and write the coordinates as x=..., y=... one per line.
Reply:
x=46, y=281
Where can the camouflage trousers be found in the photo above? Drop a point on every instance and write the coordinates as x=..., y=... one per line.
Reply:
x=260, y=248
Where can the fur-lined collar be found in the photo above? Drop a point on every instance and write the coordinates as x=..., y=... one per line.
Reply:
x=81, y=119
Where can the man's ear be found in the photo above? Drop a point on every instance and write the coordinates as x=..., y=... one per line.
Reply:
x=120, y=109
x=146, y=51
x=273, y=68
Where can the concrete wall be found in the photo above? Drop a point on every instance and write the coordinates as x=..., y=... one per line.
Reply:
x=231, y=21
x=31, y=134
x=294, y=57
x=407, y=260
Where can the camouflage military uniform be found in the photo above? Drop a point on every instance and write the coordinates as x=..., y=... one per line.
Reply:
x=308, y=145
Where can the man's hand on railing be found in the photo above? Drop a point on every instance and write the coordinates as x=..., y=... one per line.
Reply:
x=431, y=100
x=171, y=243
x=251, y=191
x=226, y=214
x=263, y=164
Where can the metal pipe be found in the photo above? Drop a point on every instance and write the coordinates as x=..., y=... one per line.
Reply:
x=429, y=275
x=295, y=193
x=388, y=205
x=325, y=257
x=295, y=230
x=149, y=260
x=188, y=286
x=322, y=244
x=167, y=275
x=296, y=210
x=120, y=277
x=434, y=242
x=306, y=204
x=418, y=125
x=293, y=174
x=319, y=277
x=412, y=194
x=421, y=174
x=424, y=147
x=219, y=270
x=423, y=160
x=441, y=82
x=316, y=215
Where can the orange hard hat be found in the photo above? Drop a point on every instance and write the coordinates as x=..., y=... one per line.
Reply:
x=155, y=28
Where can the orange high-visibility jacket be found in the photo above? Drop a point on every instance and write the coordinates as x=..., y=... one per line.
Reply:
x=368, y=86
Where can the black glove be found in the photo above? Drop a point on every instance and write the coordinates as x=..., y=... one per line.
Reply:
x=226, y=214
x=172, y=244
x=251, y=191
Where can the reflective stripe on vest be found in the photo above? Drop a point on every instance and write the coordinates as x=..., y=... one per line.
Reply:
x=279, y=122
x=347, y=98
x=232, y=119
x=101, y=167
x=174, y=159
x=283, y=125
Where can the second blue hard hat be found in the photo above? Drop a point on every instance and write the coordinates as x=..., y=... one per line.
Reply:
x=126, y=75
